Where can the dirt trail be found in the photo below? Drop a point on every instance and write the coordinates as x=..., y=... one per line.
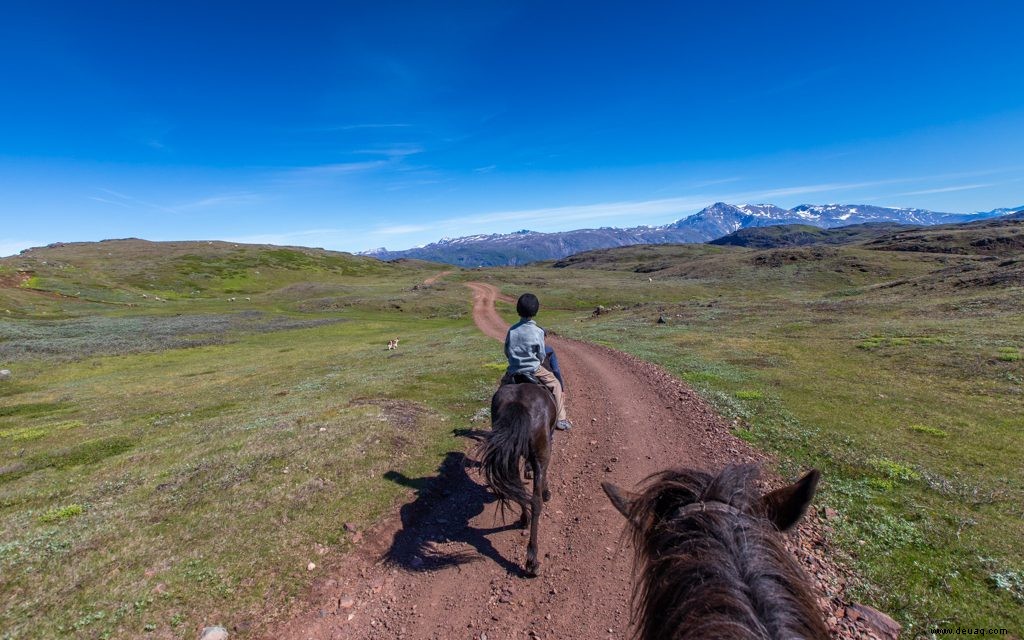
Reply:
x=449, y=568
x=434, y=278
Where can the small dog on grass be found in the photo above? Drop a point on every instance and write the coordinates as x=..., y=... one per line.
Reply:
x=392, y=344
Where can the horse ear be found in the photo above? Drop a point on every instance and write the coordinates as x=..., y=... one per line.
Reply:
x=787, y=505
x=621, y=499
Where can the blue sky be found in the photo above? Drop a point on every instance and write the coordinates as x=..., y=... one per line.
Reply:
x=356, y=125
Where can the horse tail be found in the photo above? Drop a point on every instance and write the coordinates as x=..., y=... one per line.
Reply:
x=499, y=454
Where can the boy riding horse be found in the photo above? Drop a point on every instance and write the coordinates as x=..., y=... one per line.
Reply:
x=526, y=352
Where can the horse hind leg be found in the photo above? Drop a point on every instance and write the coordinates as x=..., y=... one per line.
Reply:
x=542, y=477
x=524, y=518
x=524, y=507
x=539, y=482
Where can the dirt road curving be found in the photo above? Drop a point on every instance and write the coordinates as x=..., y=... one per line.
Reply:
x=434, y=278
x=449, y=568
x=485, y=315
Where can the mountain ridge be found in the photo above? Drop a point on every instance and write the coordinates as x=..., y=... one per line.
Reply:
x=712, y=222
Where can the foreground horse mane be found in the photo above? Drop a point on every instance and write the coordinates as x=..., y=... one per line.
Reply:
x=711, y=571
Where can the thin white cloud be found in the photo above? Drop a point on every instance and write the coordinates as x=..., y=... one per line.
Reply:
x=412, y=184
x=338, y=168
x=401, y=229
x=116, y=194
x=321, y=173
x=358, y=127
x=130, y=202
x=685, y=185
x=304, y=237
x=815, y=188
x=113, y=202
x=226, y=199
x=964, y=187
x=392, y=151
x=579, y=212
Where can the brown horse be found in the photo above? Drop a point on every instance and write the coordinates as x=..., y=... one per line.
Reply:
x=713, y=564
x=522, y=421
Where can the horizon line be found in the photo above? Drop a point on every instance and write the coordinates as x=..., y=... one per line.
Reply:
x=10, y=248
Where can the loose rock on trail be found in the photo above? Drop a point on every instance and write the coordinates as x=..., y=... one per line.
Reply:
x=449, y=567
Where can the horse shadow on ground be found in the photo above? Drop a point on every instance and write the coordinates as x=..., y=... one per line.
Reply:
x=441, y=514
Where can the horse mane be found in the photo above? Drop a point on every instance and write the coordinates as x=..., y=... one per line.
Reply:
x=715, y=572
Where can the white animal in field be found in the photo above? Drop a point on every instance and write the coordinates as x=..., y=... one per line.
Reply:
x=650, y=279
x=392, y=344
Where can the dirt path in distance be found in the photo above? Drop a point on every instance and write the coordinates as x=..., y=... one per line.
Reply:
x=449, y=568
x=434, y=278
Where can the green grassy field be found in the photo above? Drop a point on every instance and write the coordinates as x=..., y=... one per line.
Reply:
x=189, y=425
x=883, y=368
x=176, y=464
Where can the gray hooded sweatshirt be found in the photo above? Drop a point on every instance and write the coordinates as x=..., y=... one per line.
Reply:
x=524, y=347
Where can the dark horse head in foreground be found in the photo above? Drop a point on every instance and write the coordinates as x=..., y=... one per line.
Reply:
x=522, y=421
x=711, y=558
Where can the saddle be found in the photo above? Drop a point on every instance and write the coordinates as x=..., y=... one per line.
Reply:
x=526, y=378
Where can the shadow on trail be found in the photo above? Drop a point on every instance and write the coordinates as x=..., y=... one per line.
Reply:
x=441, y=514
x=476, y=435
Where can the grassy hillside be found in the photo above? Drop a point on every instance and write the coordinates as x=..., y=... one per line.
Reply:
x=796, y=235
x=899, y=373
x=81, y=278
x=1001, y=237
x=171, y=459
x=188, y=425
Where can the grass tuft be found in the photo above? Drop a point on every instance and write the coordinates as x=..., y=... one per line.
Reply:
x=932, y=431
x=1009, y=354
x=59, y=514
x=893, y=470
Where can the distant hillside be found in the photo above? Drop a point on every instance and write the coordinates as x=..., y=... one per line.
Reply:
x=712, y=222
x=984, y=253
x=796, y=235
x=133, y=271
x=997, y=237
x=641, y=258
x=523, y=247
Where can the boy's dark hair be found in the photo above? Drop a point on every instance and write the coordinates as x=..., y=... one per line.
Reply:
x=527, y=306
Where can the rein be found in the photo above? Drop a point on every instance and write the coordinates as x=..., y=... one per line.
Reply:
x=701, y=507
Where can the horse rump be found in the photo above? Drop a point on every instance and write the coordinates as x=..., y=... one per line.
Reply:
x=499, y=454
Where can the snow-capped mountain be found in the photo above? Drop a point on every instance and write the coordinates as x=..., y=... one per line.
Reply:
x=712, y=222
x=843, y=214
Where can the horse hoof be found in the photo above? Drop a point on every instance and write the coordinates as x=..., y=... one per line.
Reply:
x=531, y=570
x=546, y=495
